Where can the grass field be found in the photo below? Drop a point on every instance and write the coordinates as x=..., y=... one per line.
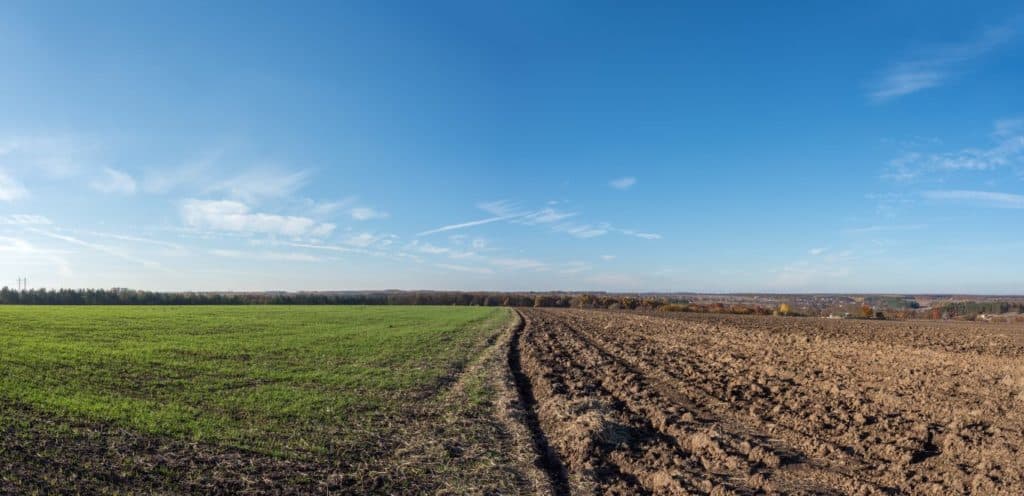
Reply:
x=310, y=384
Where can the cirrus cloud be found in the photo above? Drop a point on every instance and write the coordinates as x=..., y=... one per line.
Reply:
x=114, y=181
x=24, y=220
x=983, y=198
x=934, y=65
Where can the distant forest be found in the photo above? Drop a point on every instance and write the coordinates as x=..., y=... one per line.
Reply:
x=10, y=296
x=874, y=307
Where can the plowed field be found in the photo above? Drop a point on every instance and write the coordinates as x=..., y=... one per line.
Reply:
x=633, y=404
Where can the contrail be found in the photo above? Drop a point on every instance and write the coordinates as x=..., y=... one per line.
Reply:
x=467, y=224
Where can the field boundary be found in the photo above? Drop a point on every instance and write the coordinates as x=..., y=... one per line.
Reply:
x=547, y=458
x=473, y=437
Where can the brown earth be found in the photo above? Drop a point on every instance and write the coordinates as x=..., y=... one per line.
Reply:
x=674, y=404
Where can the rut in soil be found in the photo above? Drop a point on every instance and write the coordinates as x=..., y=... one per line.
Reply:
x=547, y=460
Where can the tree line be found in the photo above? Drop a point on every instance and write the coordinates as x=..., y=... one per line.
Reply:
x=119, y=296
x=648, y=302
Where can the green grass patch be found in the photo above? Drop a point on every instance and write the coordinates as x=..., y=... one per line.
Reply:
x=276, y=379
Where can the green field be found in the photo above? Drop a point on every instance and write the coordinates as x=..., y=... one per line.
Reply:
x=299, y=383
x=266, y=378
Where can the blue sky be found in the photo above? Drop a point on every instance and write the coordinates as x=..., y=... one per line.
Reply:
x=845, y=147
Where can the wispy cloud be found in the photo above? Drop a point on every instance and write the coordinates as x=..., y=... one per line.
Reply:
x=10, y=188
x=333, y=248
x=327, y=208
x=935, y=64
x=170, y=249
x=622, y=182
x=481, y=261
x=113, y=181
x=427, y=248
x=1007, y=149
x=981, y=198
x=53, y=156
x=233, y=216
x=816, y=251
x=465, y=268
x=194, y=174
x=366, y=213
x=502, y=208
x=24, y=220
x=551, y=218
x=518, y=263
x=888, y=204
x=378, y=249
x=637, y=234
x=114, y=252
x=366, y=240
x=519, y=215
x=267, y=255
x=430, y=249
x=345, y=206
x=256, y=184
x=546, y=216
x=905, y=167
x=884, y=228
x=217, y=173
x=474, y=243
x=585, y=231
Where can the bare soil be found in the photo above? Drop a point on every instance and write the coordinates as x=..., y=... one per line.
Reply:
x=706, y=404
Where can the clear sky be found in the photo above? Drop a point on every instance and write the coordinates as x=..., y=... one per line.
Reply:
x=715, y=146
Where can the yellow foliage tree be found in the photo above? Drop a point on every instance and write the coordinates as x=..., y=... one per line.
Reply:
x=784, y=309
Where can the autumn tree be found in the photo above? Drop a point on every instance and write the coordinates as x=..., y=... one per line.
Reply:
x=866, y=311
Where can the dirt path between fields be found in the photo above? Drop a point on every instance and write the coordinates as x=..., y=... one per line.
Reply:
x=640, y=404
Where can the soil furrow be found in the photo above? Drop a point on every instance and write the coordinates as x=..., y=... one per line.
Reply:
x=740, y=432
x=736, y=418
x=547, y=458
x=574, y=410
x=669, y=450
x=881, y=401
x=649, y=404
